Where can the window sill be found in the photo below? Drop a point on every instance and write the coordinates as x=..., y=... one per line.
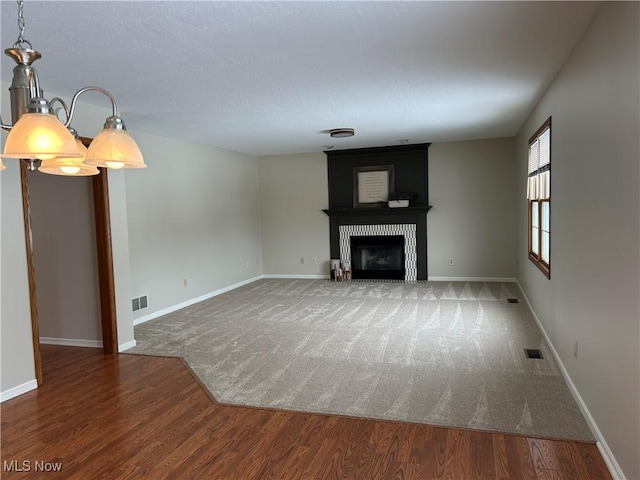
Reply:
x=543, y=267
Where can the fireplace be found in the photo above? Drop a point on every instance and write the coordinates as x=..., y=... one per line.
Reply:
x=348, y=217
x=385, y=237
x=378, y=257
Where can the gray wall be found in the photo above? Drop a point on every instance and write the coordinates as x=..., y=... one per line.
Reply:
x=65, y=257
x=592, y=296
x=120, y=253
x=192, y=214
x=472, y=187
x=293, y=192
x=16, y=354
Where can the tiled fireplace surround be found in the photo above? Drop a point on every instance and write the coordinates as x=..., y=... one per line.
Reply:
x=408, y=172
x=410, y=222
x=406, y=230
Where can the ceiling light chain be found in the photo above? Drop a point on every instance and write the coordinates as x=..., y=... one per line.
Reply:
x=21, y=25
x=38, y=134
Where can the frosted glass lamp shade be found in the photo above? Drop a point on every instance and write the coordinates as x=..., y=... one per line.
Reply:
x=70, y=166
x=114, y=148
x=40, y=135
x=2, y=167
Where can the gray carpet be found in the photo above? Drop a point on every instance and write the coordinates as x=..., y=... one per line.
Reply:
x=441, y=353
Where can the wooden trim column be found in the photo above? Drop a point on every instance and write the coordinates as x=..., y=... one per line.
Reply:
x=31, y=270
x=105, y=263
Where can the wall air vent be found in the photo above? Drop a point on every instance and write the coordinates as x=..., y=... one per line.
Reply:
x=139, y=303
x=513, y=300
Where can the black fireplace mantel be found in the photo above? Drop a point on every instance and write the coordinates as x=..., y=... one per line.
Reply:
x=346, y=211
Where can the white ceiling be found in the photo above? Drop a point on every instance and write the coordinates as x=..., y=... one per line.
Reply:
x=271, y=77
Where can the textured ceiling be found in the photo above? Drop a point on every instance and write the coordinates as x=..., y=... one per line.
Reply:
x=271, y=77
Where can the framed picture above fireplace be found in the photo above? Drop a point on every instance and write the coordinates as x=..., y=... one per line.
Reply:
x=371, y=185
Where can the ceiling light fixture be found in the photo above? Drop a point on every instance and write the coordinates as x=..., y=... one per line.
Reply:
x=38, y=134
x=70, y=165
x=342, y=132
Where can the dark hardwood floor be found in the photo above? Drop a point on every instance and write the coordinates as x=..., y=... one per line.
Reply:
x=142, y=417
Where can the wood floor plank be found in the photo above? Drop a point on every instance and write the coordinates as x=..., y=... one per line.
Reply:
x=543, y=454
x=458, y=454
x=423, y=453
x=593, y=462
x=483, y=464
x=519, y=456
x=143, y=417
x=500, y=459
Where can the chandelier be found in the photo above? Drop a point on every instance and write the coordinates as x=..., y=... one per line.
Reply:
x=39, y=136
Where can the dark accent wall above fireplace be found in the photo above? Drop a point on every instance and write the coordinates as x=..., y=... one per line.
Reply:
x=411, y=174
x=410, y=165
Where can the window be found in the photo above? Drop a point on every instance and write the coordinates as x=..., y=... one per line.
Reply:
x=539, y=198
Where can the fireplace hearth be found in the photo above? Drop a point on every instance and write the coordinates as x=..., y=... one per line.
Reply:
x=378, y=257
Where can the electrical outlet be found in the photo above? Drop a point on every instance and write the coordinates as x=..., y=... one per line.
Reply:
x=314, y=260
x=302, y=260
x=451, y=262
x=185, y=282
x=575, y=349
x=247, y=263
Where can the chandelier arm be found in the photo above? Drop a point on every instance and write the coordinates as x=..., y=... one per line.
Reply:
x=64, y=106
x=6, y=128
x=34, y=83
x=89, y=89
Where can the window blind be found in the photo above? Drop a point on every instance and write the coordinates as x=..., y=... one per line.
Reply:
x=539, y=181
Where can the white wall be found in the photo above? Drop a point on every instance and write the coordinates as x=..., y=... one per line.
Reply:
x=120, y=255
x=17, y=369
x=472, y=187
x=593, y=294
x=193, y=215
x=293, y=193
x=65, y=258
x=16, y=354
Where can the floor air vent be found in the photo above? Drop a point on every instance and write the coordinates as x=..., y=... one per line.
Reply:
x=533, y=353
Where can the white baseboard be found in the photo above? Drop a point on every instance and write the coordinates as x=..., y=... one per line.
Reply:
x=74, y=342
x=431, y=279
x=605, y=451
x=126, y=346
x=190, y=302
x=295, y=276
x=19, y=390
x=473, y=279
x=215, y=293
x=71, y=342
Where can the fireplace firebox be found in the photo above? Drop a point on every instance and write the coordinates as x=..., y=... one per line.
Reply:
x=378, y=257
